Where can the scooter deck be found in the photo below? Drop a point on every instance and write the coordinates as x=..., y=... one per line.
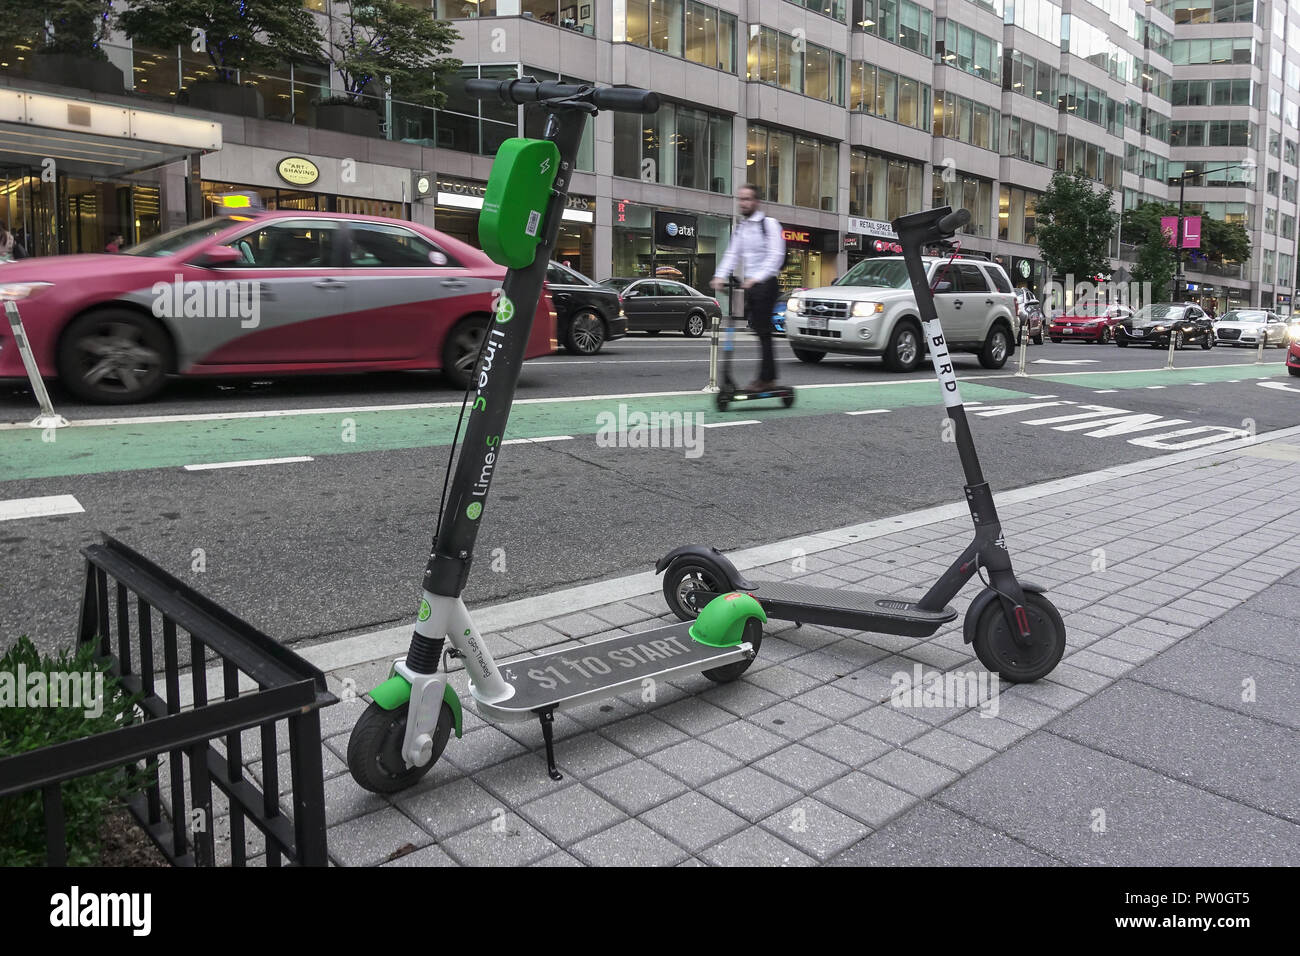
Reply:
x=577, y=675
x=839, y=607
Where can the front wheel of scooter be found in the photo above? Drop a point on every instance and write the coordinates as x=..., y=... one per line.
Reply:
x=375, y=748
x=729, y=672
x=998, y=650
x=686, y=575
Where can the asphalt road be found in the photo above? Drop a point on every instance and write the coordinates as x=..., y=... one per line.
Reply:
x=336, y=545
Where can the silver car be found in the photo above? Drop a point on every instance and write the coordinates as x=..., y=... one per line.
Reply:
x=1248, y=326
x=871, y=310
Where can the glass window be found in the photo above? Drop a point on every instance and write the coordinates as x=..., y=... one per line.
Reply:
x=378, y=245
x=886, y=89
x=638, y=22
x=909, y=102
x=727, y=42
x=807, y=175
x=819, y=72
x=702, y=35
x=666, y=18
x=292, y=244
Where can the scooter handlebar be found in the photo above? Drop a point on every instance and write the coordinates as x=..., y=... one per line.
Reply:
x=953, y=221
x=621, y=99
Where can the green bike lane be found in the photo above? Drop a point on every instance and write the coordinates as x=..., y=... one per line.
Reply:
x=1146, y=378
x=125, y=445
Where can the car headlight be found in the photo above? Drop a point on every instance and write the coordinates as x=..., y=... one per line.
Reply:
x=861, y=309
x=793, y=305
x=22, y=290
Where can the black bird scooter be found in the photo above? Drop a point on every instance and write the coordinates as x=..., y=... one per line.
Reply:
x=729, y=391
x=1016, y=631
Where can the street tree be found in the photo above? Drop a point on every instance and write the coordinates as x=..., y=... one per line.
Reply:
x=1075, y=223
x=374, y=39
x=233, y=34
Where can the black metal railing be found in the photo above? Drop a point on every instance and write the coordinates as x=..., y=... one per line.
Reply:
x=135, y=613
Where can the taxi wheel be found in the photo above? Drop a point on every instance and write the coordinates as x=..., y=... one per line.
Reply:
x=114, y=357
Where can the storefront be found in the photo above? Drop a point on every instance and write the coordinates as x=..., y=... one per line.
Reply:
x=65, y=189
x=673, y=243
x=456, y=213
x=809, y=257
x=869, y=238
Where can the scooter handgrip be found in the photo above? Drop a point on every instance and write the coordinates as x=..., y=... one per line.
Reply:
x=485, y=89
x=953, y=221
x=626, y=99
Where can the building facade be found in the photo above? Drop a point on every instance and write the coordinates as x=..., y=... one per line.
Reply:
x=843, y=113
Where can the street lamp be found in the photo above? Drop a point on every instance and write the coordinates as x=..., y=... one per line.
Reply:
x=1187, y=174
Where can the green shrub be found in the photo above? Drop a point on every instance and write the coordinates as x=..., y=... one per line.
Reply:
x=86, y=800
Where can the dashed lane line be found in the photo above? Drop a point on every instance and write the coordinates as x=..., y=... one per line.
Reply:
x=43, y=507
x=210, y=466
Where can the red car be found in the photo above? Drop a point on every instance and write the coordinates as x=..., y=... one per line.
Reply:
x=1088, y=323
x=1293, y=358
x=259, y=293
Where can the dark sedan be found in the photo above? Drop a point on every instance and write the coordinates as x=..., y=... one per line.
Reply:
x=587, y=314
x=1184, y=322
x=653, y=305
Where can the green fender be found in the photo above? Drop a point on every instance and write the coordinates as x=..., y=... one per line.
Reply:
x=722, y=622
x=395, y=692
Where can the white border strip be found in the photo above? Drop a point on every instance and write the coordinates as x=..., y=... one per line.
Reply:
x=251, y=461
x=16, y=508
x=378, y=645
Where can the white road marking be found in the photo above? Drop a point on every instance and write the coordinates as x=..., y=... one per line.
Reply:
x=249, y=462
x=1278, y=386
x=530, y=441
x=875, y=411
x=16, y=508
x=619, y=362
x=1065, y=362
x=1105, y=391
x=1153, y=386
x=747, y=421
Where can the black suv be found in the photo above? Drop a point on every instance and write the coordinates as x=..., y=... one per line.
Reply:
x=588, y=315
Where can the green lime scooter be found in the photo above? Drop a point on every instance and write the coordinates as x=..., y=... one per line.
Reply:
x=414, y=712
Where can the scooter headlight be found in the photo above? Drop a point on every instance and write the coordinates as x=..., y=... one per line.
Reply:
x=861, y=309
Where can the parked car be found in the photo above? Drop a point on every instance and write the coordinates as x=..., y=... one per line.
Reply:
x=1032, y=320
x=1088, y=322
x=1247, y=326
x=1155, y=324
x=1293, y=357
x=587, y=314
x=259, y=293
x=655, y=305
x=870, y=310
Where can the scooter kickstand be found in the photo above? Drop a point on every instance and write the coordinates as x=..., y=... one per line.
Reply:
x=547, y=717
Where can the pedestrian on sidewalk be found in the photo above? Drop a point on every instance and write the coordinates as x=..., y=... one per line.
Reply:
x=758, y=247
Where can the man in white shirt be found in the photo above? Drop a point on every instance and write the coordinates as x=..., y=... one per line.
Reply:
x=757, y=250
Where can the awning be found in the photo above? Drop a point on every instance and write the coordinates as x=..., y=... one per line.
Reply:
x=89, y=138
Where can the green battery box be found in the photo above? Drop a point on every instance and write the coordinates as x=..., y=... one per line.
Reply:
x=514, y=206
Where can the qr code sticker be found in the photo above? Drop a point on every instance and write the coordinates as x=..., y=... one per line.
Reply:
x=534, y=220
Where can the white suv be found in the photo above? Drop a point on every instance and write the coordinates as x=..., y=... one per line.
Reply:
x=870, y=310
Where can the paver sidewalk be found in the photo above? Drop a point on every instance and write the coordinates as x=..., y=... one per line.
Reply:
x=1167, y=736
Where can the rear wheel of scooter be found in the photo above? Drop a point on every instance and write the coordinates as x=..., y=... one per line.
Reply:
x=375, y=748
x=691, y=574
x=998, y=650
x=729, y=672
x=787, y=400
